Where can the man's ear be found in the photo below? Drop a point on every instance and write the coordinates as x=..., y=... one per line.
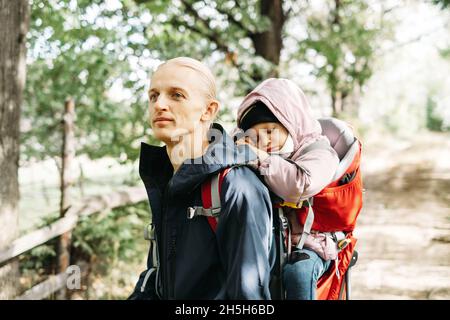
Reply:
x=211, y=111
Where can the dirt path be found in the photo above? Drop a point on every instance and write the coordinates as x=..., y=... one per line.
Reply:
x=404, y=227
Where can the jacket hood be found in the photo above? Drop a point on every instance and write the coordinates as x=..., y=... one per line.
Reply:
x=222, y=153
x=289, y=104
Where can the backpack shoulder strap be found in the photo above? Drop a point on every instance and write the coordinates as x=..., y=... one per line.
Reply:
x=211, y=189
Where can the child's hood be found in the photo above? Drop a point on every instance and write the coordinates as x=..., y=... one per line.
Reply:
x=288, y=103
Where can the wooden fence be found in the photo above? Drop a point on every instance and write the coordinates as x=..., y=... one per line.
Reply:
x=69, y=216
x=67, y=223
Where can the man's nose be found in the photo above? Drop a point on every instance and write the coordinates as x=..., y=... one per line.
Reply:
x=161, y=103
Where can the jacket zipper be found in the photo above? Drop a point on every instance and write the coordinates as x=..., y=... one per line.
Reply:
x=171, y=263
x=170, y=242
x=163, y=263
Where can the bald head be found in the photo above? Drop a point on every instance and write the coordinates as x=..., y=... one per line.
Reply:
x=205, y=76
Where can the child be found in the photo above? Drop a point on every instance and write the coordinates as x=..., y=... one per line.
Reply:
x=282, y=126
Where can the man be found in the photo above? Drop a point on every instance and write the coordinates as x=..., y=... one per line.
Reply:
x=196, y=262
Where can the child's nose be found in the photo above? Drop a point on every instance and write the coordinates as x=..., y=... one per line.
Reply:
x=264, y=140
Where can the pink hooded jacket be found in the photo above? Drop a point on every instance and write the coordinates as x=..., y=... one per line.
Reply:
x=300, y=176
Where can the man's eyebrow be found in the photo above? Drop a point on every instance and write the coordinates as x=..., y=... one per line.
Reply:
x=179, y=89
x=152, y=90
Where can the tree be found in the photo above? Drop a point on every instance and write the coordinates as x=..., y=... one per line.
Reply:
x=82, y=48
x=341, y=46
x=14, y=16
x=82, y=51
x=248, y=34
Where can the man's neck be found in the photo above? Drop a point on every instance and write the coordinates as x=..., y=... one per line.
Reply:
x=188, y=147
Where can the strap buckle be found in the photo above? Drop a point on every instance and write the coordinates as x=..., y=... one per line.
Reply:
x=343, y=243
x=149, y=232
x=284, y=222
x=192, y=212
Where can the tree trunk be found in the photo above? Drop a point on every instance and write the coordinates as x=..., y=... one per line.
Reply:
x=336, y=18
x=14, y=17
x=337, y=103
x=268, y=44
x=336, y=95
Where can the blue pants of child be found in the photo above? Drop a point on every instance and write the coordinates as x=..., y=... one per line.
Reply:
x=300, y=278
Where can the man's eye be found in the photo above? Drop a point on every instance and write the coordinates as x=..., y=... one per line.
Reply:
x=177, y=95
x=153, y=97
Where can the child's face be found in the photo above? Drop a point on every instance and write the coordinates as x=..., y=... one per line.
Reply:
x=270, y=136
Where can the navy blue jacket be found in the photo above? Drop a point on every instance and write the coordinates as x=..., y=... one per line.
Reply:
x=195, y=262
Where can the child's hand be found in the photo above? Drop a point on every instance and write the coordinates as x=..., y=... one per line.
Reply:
x=245, y=140
x=262, y=155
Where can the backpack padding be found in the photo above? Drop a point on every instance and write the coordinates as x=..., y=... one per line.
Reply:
x=346, y=161
x=339, y=133
x=343, y=142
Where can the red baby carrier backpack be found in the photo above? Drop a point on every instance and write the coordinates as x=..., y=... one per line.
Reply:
x=333, y=210
x=337, y=206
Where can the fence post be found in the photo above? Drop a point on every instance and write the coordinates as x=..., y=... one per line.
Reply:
x=67, y=180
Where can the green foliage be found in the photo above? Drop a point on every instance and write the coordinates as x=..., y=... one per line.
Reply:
x=102, y=239
x=79, y=49
x=109, y=237
x=341, y=45
x=444, y=4
x=89, y=50
x=40, y=260
x=434, y=121
x=219, y=30
x=92, y=51
x=445, y=53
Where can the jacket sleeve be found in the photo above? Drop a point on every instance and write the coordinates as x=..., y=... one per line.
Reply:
x=244, y=235
x=299, y=179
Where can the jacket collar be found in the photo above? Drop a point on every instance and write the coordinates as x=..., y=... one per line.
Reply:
x=155, y=165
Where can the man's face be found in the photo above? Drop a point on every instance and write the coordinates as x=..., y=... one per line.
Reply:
x=176, y=102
